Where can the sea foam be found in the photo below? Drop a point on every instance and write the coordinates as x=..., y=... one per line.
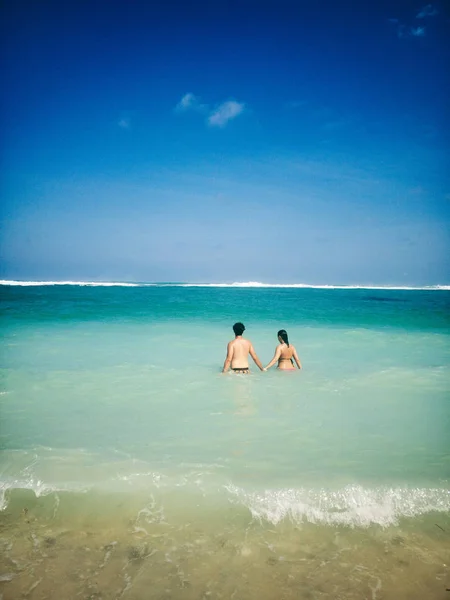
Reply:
x=353, y=506
x=236, y=284
x=13, y=282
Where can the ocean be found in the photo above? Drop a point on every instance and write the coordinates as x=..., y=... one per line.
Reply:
x=130, y=467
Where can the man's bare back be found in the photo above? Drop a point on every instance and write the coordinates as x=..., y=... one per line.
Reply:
x=238, y=351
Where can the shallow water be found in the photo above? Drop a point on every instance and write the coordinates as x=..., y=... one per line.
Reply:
x=136, y=546
x=117, y=426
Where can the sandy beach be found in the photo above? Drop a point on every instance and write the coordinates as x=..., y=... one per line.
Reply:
x=106, y=547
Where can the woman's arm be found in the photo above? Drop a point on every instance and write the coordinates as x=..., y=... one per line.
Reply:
x=274, y=359
x=296, y=358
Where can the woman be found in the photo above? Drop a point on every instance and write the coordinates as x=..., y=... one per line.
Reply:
x=285, y=354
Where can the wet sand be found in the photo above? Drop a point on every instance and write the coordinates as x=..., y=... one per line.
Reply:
x=115, y=547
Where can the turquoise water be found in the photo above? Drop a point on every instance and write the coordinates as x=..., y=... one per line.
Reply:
x=119, y=389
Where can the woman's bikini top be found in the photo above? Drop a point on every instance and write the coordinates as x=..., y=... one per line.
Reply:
x=285, y=358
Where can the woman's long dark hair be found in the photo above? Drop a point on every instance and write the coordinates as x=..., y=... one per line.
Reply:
x=284, y=336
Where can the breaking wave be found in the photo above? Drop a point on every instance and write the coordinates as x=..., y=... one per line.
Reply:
x=13, y=282
x=354, y=505
x=351, y=506
x=236, y=284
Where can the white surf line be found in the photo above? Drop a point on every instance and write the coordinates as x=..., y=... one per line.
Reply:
x=236, y=284
x=13, y=282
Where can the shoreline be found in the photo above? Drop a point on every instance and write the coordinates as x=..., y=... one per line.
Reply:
x=353, y=506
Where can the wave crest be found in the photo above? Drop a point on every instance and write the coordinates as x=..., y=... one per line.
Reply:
x=236, y=284
x=353, y=505
x=13, y=282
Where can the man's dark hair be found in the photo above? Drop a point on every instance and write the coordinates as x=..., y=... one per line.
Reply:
x=238, y=328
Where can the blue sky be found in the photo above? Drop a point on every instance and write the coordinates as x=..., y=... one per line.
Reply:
x=281, y=142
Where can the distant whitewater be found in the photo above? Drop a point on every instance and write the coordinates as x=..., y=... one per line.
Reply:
x=236, y=284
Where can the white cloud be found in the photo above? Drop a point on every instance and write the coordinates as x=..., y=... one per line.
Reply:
x=407, y=32
x=427, y=11
x=124, y=123
x=417, y=31
x=219, y=117
x=190, y=102
x=225, y=112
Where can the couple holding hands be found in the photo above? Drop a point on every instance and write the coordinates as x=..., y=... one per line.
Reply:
x=239, y=349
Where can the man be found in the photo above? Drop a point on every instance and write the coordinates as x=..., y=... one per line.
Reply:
x=238, y=351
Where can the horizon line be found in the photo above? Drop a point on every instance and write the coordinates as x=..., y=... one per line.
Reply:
x=236, y=284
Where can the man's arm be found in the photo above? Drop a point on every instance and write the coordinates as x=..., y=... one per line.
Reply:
x=255, y=358
x=227, y=363
x=275, y=358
